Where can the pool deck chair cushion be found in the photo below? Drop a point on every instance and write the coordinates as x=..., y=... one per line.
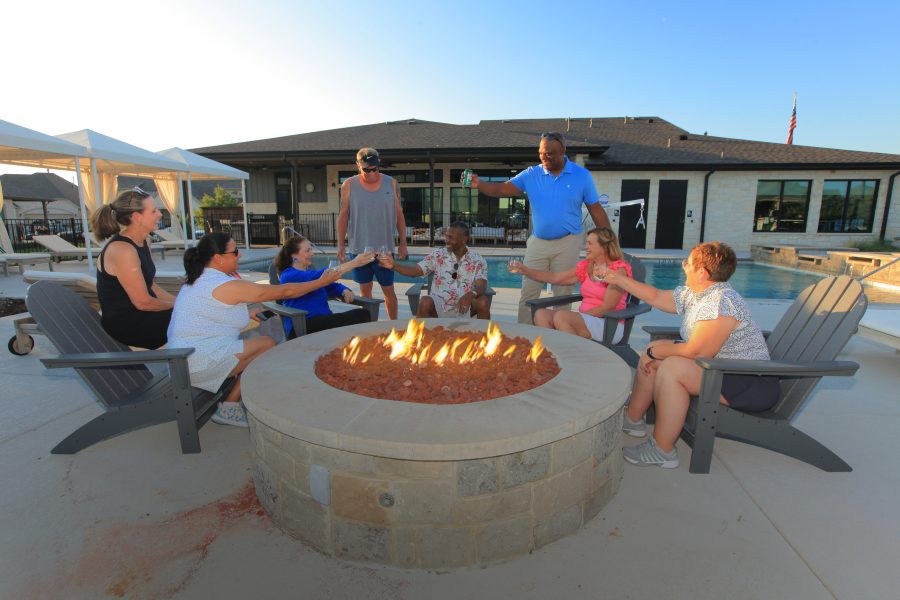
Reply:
x=803, y=347
x=632, y=309
x=131, y=396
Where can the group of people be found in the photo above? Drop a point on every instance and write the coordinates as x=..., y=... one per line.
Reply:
x=212, y=309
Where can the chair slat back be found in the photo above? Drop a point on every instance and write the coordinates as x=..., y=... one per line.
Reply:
x=817, y=326
x=74, y=327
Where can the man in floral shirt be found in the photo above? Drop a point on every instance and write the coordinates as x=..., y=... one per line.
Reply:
x=460, y=277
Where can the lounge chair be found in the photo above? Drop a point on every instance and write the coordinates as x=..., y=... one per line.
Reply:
x=22, y=259
x=803, y=346
x=882, y=326
x=132, y=397
x=415, y=292
x=171, y=241
x=60, y=248
x=298, y=315
x=632, y=309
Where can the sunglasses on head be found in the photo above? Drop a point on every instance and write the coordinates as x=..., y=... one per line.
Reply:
x=552, y=135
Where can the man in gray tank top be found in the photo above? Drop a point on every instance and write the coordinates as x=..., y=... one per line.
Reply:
x=370, y=206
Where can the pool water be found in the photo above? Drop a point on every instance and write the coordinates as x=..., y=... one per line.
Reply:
x=750, y=280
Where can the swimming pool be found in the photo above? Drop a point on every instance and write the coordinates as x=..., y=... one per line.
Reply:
x=751, y=280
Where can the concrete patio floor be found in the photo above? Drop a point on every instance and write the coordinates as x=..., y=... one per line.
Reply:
x=132, y=517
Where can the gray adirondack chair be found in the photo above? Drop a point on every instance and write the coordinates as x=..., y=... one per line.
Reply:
x=414, y=293
x=298, y=315
x=632, y=309
x=132, y=397
x=803, y=346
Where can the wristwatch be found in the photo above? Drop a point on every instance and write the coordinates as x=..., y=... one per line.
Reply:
x=650, y=353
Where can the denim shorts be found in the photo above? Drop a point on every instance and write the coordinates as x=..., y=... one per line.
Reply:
x=373, y=270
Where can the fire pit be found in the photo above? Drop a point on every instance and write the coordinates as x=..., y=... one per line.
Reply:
x=434, y=486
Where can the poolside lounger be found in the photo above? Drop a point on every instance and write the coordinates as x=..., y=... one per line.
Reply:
x=60, y=248
x=22, y=259
x=803, y=346
x=632, y=309
x=132, y=397
x=172, y=241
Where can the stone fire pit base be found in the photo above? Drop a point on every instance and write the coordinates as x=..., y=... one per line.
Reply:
x=436, y=514
x=430, y=486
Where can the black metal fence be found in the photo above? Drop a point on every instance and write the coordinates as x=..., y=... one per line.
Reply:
x=22, y=232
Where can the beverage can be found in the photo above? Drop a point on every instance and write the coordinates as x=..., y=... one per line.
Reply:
x=467, y=178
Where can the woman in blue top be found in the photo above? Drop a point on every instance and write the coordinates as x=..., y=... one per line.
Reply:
x=293, y=263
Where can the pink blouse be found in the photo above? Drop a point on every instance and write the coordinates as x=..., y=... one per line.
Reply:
x=593, y=291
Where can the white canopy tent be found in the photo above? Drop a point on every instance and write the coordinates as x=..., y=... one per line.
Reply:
x=27, y=147
x=199, y=167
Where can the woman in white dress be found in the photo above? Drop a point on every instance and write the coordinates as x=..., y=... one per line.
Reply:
x=210, y=312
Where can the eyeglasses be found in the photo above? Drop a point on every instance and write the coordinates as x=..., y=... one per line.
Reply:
x=369, y=169
x=454, y=274
x=552, y=135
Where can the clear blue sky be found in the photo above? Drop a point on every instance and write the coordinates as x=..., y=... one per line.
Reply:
x=195, y=73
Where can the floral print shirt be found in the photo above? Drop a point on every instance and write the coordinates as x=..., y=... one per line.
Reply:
x=443, y=263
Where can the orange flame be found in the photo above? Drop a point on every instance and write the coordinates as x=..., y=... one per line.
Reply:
x=413, y=346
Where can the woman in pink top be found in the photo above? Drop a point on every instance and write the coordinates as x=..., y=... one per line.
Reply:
x=602, y=251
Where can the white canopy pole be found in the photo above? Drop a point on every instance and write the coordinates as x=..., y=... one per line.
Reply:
x=191, y=207
x=98, y=192
x=84, y=222
x=244, y=203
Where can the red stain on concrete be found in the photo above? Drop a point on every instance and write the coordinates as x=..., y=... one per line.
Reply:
x=150, y=560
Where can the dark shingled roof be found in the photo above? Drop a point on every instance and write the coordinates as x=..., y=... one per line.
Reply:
x=37, y=187
x=610, y=143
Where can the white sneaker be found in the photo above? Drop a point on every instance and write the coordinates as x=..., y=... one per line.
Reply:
x=230, y=413
x=636, y=429
x=649, y=454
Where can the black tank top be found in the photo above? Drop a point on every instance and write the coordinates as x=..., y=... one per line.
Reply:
x=114, y=300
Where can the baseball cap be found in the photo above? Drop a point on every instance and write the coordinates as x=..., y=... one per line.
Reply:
x=369, y=156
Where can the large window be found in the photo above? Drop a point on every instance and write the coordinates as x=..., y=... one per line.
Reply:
x=418, y=211
x=848, y=206
x=781, y=205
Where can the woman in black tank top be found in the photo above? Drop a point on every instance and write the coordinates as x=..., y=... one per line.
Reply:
x=134, y=310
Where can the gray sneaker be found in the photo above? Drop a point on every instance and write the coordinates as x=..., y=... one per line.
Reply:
x=649, y=454
x=636, y=429
x=230, y=414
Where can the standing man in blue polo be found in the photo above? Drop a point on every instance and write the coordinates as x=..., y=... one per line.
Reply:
x=556, y=189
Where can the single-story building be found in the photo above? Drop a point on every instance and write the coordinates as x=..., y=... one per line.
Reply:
x=39, y=196
x=696, y=187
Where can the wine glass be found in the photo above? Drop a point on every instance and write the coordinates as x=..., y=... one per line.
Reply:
x=514, y=264
x=334, y=264
x=383, y=251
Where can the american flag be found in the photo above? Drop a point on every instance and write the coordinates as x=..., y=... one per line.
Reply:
x=793, y=124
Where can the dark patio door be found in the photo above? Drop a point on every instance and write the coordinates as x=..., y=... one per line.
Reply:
x=670, y=213
x=632, y=230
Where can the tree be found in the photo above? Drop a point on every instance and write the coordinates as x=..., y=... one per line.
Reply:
x=221, y=198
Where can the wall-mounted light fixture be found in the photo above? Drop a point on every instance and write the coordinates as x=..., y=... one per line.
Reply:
x=310, y=187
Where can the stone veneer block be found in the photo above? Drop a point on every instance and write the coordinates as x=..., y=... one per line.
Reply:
x=422, y=502
x=359, y=541
x=503, y=539
x=559, y=525
x=356, y=498
x=423, y=486
x=491, y=507
x=475, y=477
x=524, y=467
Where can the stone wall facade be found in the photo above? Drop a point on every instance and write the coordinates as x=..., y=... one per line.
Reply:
x=435, y=514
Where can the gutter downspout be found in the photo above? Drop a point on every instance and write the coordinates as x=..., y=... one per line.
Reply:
x=887, y=206
x=703, y=205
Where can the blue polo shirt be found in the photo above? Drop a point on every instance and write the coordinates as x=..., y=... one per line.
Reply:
x=556, y=200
